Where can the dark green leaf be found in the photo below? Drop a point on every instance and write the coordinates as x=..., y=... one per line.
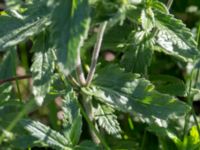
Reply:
x=87, y=145
x=128, y=93
x=7, y=66
x=137, y=58
x=169, y=85
x=8, y=111
x=16, y=29
x=26, y=141
x=72, y=122
x=69, y=31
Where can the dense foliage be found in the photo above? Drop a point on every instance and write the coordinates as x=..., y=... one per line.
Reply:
x=98, y=74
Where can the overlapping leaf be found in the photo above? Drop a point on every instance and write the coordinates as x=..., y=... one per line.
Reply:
x=137, y=58
x=16, y=28
x=69, y=28
x=174, y=38
x=42, y=67
x=7, y=70
x=46, y=135
x=128, y=93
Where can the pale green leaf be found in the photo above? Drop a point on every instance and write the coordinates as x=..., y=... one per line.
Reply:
x=174, y=38
x=147, y=19
x=42, y=67
x=69, y=31
x=107, y=120
x=72, y=123
x=128, y=93
x=46, y=135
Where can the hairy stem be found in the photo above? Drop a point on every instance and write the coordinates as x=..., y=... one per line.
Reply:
x=96, y=51
x=79, y=69
x=88, y=108
x=87, y=114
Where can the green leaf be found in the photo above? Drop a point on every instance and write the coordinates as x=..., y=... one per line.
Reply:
x=42, y=67
x=5, y=92
x=120, y=144
x=138, y=58
x=46, y=134
x=107, y=120
x=8, y=111
x=7, y=71
x=69, y=31
x=174, y=38
x=7, y=66
x=159, y=6
x=87, y=145
x=169, y=85
x=164, y=132
x=128, y=93
x=18, y=27
x=112, y=40
x=72, y=122
x=26, y=141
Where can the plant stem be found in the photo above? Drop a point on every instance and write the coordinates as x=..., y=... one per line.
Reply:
x=88, y=108
x=144, y=139
x=169, y=4
x=15, y=78
x=190, y=102
x=95, y=53
x=94, y=133
x=198, y=36
x=79, y=69
x=85, y=115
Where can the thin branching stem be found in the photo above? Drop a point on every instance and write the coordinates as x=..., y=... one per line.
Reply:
x=14, y=79
x=79, y=69
x=85, y=115
x=96, y=51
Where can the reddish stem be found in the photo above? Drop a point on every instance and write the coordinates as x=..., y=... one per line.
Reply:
x=15, y=78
